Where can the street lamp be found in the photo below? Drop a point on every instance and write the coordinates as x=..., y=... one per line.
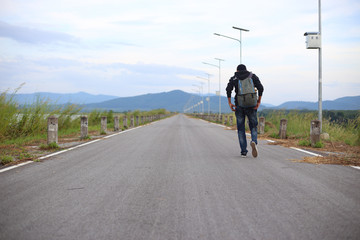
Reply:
x=219, y=67
x=220, y=35
x=208, y=98
x=238, y=40
x=245, y=30
x=202, y=95
x=314, y=42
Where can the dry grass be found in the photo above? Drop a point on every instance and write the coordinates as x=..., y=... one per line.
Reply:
x=332, y=153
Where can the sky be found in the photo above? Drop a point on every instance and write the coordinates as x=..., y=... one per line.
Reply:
x=128, y=48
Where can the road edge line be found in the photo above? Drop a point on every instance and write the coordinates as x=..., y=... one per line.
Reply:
x=15, y=166
x=72, y=148
x=311, y=153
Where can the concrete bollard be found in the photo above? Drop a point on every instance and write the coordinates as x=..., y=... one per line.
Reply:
x=103, y=124
x=52, y=130
x=231, y=120
x=226, y=120
x=261, y=125
x=283, y=126
x=142, y=120
x=84, y=127
x=132, y=121
x=314, y=132
x=125, y=122
x=137, y=120
x=116, y=124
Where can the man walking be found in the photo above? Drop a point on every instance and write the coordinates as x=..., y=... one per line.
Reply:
x=246, y=104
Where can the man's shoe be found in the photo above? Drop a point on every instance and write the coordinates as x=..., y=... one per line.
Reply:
x=243, y=155
x=254, y=149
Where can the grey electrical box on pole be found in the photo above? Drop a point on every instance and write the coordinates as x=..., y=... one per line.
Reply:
x=313, y=40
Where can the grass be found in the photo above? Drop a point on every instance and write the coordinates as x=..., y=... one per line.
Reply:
x=304, y=143
x=24, y=126
x=298, y=127
x=319, y=145
x=50, y=146
x=6, y=159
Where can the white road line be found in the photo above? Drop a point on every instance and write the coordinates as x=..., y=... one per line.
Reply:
x=72, y=148
x=317, y=155
x=311, y=153
x=12, y=167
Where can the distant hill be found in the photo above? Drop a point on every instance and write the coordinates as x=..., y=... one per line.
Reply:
x=173, y=101
x=344, y=103
x=178, y=100
x=59, y=98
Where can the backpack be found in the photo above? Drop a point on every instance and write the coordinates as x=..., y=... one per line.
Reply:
x=246, y=97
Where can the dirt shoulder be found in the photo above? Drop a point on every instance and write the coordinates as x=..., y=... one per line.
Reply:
x=32, y=151
x=331, y=153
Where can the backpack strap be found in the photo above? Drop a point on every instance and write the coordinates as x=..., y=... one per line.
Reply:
x=240, y=86
x=252, y=81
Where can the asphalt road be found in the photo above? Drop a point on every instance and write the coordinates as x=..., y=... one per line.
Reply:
x=179, y=178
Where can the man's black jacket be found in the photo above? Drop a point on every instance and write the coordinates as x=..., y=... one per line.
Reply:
x=234, y=82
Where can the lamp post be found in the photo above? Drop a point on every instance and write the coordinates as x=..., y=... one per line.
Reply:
x=314, y=42
x=320, y=72
x=201, y=91
x=241, y=29
x=208, y=98
x=219, y=67
x=238, y=40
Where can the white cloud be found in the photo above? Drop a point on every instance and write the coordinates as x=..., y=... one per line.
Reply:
x=132, y=47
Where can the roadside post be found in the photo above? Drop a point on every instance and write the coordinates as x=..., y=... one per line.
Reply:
x=103, y=124
x=52, y=130
x=315, y=132
x=283, y=126
x=84, y=127
x=132, y=121
x=261, y=125
x=116, y=123
x=125, y=122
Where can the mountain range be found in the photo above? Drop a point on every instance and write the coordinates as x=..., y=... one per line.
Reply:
x=173, y=101
x=62, y=98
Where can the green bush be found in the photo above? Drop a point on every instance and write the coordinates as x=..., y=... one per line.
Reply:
x=319, y=145
x=6, y=159
x=304, y=143
x=50, y=146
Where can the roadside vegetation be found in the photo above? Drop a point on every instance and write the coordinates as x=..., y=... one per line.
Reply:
x=340, y=144
x=342, y=129
x=23, y=129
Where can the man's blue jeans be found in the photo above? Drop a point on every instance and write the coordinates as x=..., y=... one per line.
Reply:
x=240, y=114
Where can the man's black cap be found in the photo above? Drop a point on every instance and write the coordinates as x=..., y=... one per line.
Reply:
x=241, y=67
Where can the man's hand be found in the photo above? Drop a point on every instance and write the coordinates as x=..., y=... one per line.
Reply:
x=232, y=106
x=258, y=103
